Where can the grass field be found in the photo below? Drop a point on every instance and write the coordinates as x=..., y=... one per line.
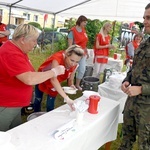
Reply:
x=37, y=57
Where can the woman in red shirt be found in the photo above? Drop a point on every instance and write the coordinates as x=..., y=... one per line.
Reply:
x=78, y=36
x=130, y=49
x=101, y=49
x=4, y=33
x=133, y=45
x=17, y=75
x=69, y=59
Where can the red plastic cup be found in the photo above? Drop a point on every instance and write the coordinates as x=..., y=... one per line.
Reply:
x=115, y=56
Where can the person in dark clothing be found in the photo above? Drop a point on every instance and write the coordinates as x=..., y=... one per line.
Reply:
x=137, y=86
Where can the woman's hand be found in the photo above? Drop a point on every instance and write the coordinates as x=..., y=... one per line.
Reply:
x=110, y=46
x=70, y=102
x=73, y=86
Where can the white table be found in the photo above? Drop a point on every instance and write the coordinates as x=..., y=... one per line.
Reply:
x=122, y=49
x=112, y=63
x=89, y=61
x=115, y=94
x=97, y=129
x=115, y=63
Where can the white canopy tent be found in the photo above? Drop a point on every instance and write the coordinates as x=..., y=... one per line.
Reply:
x=121, y=10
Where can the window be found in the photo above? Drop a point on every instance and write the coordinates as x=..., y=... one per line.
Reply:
x=35, y=18
x=25, y=15
x=1, y=11
x=28, y=16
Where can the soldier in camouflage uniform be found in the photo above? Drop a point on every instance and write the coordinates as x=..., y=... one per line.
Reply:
x=137, y=86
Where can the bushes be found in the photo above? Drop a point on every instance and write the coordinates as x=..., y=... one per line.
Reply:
x=93, y=27
x=35, y=24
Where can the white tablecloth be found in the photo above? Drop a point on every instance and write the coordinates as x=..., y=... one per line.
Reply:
x=114, y=94
x=97, y=129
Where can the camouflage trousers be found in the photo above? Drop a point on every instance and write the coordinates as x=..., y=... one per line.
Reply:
x=136, y=123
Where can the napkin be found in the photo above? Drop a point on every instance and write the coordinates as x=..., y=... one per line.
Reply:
x=66, y=130
x=81, y=106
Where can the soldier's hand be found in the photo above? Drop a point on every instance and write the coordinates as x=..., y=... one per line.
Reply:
x=124, y=86
x=134, y=90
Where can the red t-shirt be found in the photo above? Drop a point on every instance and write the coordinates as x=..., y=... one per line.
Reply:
x=80, y=38
x=13, y=92
x=135, y=45
x=3, y=28
x=46, y=86
x=104, y=51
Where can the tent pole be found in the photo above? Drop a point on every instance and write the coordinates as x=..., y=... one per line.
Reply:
x=112, y=36
x=9, y=16
x=42, y=41
x=10, y=11
x=53, y=27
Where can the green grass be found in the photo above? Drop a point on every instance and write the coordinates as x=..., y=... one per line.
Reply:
x=37, y=57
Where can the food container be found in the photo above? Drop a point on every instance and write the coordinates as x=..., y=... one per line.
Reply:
x=69, y=90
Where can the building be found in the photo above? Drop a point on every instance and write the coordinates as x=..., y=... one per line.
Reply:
x=19, y=16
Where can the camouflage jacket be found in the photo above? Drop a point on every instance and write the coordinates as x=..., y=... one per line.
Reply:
x=139, y=75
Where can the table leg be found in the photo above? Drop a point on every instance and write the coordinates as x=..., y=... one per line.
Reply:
x=107, y=146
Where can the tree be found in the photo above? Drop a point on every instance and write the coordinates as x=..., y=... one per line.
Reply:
x=140, y=25
x=35, y=24
x=70, y=23
x=92, y=28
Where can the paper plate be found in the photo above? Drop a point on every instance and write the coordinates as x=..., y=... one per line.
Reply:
x=69, y=90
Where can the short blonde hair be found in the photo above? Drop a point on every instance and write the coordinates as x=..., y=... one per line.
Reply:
x=25, y=30
x=76, y=49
